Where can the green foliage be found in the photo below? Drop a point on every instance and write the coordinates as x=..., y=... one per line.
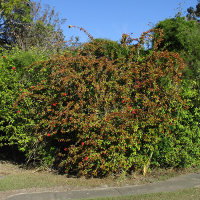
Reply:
x=194, y=14
x=110, y=49
x=15, y=16
x=13, y=129
x=176, y=33
x=184, y=37
x=105, y=108
x=16, y=10
x=26, y=24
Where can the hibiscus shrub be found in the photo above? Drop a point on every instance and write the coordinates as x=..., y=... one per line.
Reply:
x=98, y=111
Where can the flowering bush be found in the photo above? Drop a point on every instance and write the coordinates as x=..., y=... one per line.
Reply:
x=103, y=108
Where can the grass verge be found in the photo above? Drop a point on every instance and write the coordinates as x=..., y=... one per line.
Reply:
x=187, y=194
x=14, y=177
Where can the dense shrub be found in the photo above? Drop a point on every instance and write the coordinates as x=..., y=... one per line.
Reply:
x=13, y=130
x=97, y=111
x=183, y=36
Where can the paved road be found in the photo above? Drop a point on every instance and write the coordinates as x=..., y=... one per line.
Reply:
x=173, y=184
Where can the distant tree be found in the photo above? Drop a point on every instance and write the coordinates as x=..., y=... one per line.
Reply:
x=15, y=15
x=45, y=30
x=194, y=14
x=24, y=23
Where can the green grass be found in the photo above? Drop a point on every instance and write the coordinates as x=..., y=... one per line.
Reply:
x=16, y=177
x=187, y=194
x=26, y=180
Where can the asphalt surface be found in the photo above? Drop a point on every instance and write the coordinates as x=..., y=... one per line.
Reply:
x=173, y=184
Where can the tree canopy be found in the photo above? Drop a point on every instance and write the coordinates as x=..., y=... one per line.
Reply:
x=194, y=13
x=25, y=23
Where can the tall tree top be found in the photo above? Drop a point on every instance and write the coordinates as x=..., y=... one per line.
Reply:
x=16, y=10
x=194, y=13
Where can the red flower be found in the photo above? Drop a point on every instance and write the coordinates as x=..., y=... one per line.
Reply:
x=18, y=111
x=82, y=143
x=33, y=87
x=86, y=158
x=170, y=123
x=133, y=111
x=13, y=68
x=4, y=57
x=20, y=90
x=122, y=101
x=48, y=134
x=54, y=104
x=65, y=149
x=129, y=107
x=65, y=94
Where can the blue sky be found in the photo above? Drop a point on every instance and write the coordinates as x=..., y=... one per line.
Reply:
x=111, y=18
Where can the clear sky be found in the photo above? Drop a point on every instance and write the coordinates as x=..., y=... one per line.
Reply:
x=111, y=18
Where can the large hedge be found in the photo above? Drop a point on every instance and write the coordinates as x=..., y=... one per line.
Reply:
x=106, y=108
